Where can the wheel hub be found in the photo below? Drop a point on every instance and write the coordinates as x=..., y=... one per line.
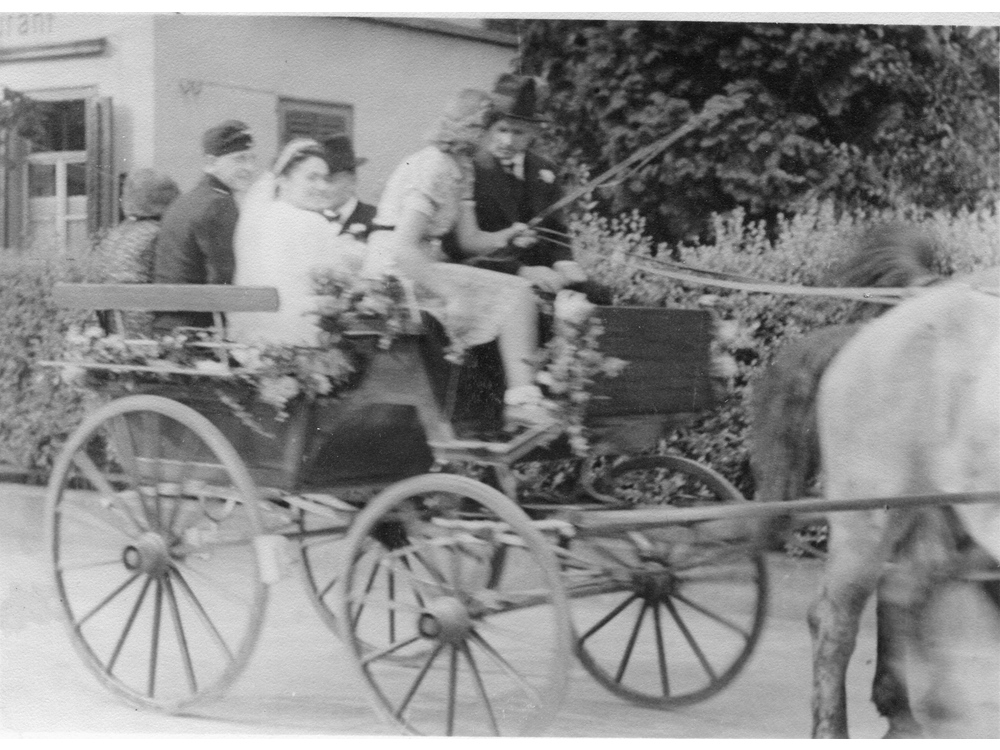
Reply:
x=149, y=555
x=654, y=585
x=446, y=619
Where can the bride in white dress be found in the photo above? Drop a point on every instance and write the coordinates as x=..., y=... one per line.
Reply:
x=281, y=239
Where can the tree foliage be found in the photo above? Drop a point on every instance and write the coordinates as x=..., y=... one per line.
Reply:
x=867, y=115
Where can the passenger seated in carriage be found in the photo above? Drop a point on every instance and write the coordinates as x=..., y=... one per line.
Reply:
x=282, y=237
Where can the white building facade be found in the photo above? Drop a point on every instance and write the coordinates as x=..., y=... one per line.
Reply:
x=125, y=91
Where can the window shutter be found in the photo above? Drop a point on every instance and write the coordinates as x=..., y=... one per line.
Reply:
x=13, y=155
x=102, y=182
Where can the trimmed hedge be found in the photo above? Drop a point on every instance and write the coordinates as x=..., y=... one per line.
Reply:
x=37, y=411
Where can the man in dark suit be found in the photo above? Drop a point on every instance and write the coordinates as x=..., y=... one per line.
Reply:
x=195, y=243
x=515, y=184
x=353, y=216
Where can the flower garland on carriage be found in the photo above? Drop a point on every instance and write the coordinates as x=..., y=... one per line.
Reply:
x=244, y=376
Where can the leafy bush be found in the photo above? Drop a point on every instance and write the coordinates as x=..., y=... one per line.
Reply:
x=869, y=115
x=801, y=250
x=37, y=410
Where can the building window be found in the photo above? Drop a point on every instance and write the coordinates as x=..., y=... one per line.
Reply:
x=319, y=120
x=57, y=201
x=59, y=181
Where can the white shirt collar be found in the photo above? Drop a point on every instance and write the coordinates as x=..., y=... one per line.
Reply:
x=345, y=211
x=518, y=163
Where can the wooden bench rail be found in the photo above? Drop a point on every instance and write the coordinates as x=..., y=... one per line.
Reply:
x=167, y=297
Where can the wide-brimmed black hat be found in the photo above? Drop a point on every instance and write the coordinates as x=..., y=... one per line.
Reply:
x=340, y=154
x=515, y=97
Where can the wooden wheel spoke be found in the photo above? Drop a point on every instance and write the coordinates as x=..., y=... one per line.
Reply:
x=175, y=614
x=202, y=613
x=66, y=566
x=602, y=550
x=506, y=666
x=608, y=617
x=392, y=597
x=415, y=685
x=120, y=437
x=110, y=496
x=481, y=689
x=626, y=657
x=499, y=602
x=452, y=690
x=416, y=591
x=219, y=587
x=661, y=657
x=104, y=602
x=726, y=554
x=109, y=667
x=101, y=520
x=329, y=587
x=154, y=647
x=689, y=637
x=732, y=573
x=712, y=615
x=389, y=650
x=363, y=598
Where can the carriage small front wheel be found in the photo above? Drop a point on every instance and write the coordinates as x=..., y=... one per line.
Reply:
x=155, y=536
x=667, y=616
x=447, y=646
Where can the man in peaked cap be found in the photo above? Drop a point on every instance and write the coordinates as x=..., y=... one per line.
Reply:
x=195, y=244
x=353, y=217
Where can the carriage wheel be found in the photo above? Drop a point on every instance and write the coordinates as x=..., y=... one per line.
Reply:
x=445, y=646
x=153, y=545
x=668, y=616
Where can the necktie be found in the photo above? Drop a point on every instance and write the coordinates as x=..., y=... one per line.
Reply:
x=508, y=167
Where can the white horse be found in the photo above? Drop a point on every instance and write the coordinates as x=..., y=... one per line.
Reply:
x=910, y=406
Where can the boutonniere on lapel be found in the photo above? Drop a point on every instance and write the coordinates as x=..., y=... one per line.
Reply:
x=356, y=230
x=546, y=175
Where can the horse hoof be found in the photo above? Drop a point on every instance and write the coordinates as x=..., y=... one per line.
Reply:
x=904, y=730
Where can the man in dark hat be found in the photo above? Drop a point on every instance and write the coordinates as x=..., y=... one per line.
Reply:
x=352, y=216
x=515, y=184
x=195, y=244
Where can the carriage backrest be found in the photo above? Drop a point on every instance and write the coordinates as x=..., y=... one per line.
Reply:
x=167, y=297
x=668, y=359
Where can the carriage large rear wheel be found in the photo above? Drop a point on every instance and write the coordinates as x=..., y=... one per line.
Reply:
x=155, y=535
x=446, y=644
x=668, y=616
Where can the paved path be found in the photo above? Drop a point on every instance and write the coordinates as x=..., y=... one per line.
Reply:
x=297, y=682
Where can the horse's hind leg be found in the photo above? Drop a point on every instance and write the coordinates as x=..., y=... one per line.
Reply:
x=889, y=689
x=851, y=575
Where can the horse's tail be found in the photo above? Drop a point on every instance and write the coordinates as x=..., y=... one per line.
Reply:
x=783, y=438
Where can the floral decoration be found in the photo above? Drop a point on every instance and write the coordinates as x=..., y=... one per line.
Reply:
x=570, y=363
x=276, y=374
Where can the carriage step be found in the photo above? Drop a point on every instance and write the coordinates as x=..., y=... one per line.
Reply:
x=516, y=446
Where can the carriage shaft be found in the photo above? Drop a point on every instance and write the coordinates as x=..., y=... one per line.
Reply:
x=599, y=522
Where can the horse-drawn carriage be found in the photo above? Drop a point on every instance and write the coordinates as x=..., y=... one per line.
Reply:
x=442, y=578
x=461, y=600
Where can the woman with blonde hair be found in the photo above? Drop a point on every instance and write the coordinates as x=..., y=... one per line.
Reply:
x=428, y=195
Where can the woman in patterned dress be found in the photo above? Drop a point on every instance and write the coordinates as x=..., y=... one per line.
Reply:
x=428, y=195
x=125, y=255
